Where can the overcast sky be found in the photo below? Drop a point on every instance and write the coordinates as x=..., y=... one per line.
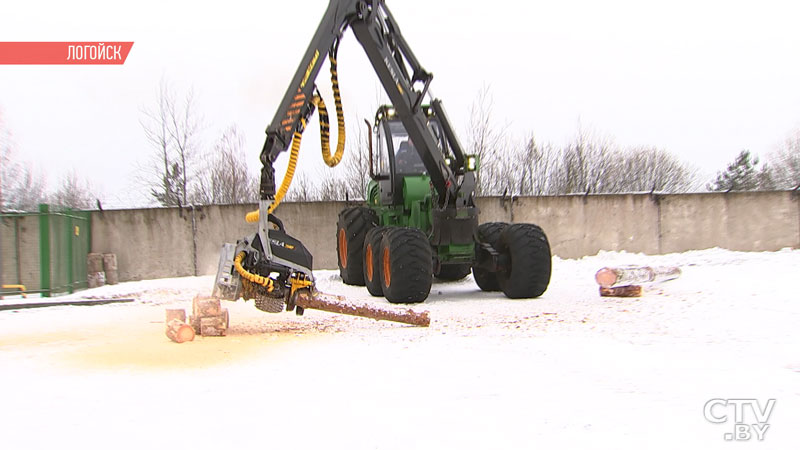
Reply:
x=703, y=79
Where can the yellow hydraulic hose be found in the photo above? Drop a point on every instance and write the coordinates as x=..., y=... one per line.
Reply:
x=251, y=277
x=324, y=124
x=287, y=179
x=253, y=216
x=324, y=136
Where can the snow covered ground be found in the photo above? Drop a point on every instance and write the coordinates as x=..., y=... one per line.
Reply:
x=568, y=370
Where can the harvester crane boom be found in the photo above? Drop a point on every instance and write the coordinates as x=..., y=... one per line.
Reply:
x=391, y=57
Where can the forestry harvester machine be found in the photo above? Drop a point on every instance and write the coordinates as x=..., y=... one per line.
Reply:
x=420, y=219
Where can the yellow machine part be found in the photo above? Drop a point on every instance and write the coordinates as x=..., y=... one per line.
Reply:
x=324, y=136
x=251, y=277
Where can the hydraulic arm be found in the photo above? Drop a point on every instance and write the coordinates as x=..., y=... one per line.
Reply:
x=402, y=76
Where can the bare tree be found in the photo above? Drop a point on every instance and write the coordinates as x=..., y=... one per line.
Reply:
x=184, y=127
x=21, y=189
x=652, y=169
x=589, y=163
x=225, y=179
x=74, y=193
x=502, y=174
x=332, y=189
x=154, y=124
x=785, y=163
x=173, y=130
x=6, y=169
x=302, y=189
x=541, y=167
x=484, y=137
x=30, y=190
x=356, y=164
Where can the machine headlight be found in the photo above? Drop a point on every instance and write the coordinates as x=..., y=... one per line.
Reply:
x=471, y=163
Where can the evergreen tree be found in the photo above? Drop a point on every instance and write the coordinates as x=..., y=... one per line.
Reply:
x=742, y=174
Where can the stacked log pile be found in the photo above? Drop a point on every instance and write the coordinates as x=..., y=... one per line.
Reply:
x=208, y=317
x=95, y=275
x=110, y=268
x=101, y=269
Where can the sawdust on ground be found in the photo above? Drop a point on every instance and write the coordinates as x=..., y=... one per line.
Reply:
x=134, y=339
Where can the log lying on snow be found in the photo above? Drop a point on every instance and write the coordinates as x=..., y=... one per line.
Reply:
x=179, y=331
x=621, y=291
x=609, y=277
x=337, y=304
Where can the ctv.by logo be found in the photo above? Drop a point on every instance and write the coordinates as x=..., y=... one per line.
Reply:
x=717, y=410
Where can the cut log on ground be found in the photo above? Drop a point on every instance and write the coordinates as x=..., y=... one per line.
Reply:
x=214, y=325
x=194, y=321
x=629, y=275
x=208, y=318
x=95, y=279
x=94, y=262
x=179, y=331
x=621, y=291
x=336, y=304
x=110, y=268
x=206, y=306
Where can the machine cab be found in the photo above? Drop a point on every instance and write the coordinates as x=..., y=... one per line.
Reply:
x=395, y=156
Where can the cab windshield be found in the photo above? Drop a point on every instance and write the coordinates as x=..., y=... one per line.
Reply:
x=406, y=157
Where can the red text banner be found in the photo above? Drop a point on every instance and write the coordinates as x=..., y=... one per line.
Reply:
x=65, y=53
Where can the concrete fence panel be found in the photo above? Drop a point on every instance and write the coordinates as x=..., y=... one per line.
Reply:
x=166, y=242
x=149, y=243
x=19, y=251
x=578, y=225
x=745, y=221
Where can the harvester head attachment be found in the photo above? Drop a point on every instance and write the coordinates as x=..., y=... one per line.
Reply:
x=247, y=271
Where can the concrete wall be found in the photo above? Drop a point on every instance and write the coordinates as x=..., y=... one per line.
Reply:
x=578, y=225
x=149, y=243
x=20, y=233
x=152, y=243
x=158, y=242
x=747, y=221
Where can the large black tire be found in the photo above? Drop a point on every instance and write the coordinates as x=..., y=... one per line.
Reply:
x=488, y=233
x=406, y=265
x=372, y=260
x=351, y=229
x=453, y=272
x=527, y=253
